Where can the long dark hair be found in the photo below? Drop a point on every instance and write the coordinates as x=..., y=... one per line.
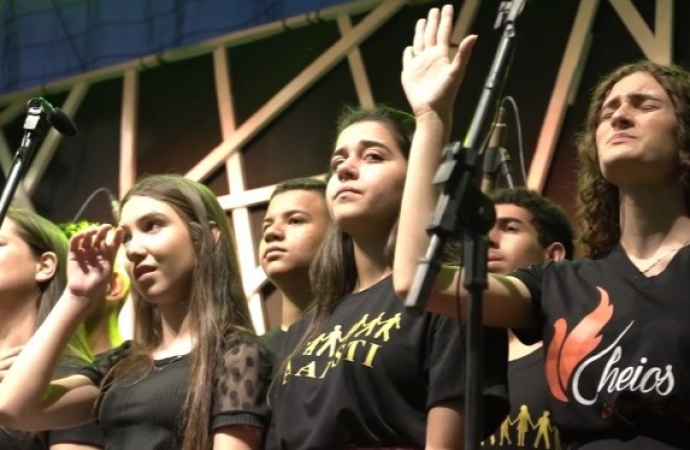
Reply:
x=333, y=272
x=217, y=307
x=598, y=212
x=42, y=236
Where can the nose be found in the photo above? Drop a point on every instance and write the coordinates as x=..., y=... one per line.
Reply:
x=273, y=232
x=620, y=118
x=346, y=170
x=494, y=237
x=134, y=249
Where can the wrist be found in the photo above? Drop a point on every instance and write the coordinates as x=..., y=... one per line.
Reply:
x=76, y=305
x=433, y=118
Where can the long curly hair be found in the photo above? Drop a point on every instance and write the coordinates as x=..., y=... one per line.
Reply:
x=598, y=209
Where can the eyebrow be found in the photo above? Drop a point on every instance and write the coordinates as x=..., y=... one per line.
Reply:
x=366, y=143
x=504, y=220
x=290, y=212
x=147, y=216
x=635, y=97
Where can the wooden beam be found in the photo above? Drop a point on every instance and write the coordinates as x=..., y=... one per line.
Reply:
x=657, y=44
x=129, y=132
x=291, y=91
x=357, y=69
x=573, y=59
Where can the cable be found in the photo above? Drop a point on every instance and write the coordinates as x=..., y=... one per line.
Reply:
x=90, y=198
x=518, y=125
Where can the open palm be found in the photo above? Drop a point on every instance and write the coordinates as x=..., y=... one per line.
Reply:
x=431, y=76
x=90, y=262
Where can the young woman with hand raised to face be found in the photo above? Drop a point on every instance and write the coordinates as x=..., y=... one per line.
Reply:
x=193, y=377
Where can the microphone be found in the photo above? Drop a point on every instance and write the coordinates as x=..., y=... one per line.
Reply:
x=506, y=164
x=114, y=206
x=493, y=151
x=55, y=116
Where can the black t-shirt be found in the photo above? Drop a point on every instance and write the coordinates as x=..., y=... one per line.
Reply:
x=371, y=375
x=617, y=350
x=273, y=339
x=88, y=434
x=143, y=409
x=529, y=424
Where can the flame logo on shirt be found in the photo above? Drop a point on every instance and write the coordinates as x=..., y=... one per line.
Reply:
x=567, y=350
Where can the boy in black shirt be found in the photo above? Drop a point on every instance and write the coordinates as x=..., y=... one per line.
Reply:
x=295, y=223
x=529, y=229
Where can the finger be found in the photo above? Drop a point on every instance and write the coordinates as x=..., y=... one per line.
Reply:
x=418, y=41
x=408, y=54
x=431, y=28
x=10, y=352
x=114, y=240
x=82, y=240
x=6, y=363
x=101, y=235
x=445, y=26
x=463, y=54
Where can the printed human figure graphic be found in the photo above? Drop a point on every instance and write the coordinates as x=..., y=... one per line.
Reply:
x=524, y=424
x=556, y=437
x=522, y=427
x=368, y=327
x=311, y=345
x=331, y=341
x=387, y=326
x=505, y=432
x=543, y=426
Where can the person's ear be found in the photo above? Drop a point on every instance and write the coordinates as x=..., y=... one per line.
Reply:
x=46, y=267
x=555, y=251
x=215, y=230
x=117, y=287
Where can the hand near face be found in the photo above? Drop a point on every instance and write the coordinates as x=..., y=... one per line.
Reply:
x=7, y=357
x=90, y=262
x=431, y=76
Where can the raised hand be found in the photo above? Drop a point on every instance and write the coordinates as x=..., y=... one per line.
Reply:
x=431, y=75
x=90, y=263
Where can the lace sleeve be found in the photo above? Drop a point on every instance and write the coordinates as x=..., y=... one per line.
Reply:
x=242, y=380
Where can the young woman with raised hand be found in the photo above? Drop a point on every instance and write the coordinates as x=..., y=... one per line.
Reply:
x=363, y=373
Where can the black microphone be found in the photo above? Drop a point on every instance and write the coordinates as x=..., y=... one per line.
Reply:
x=55, y=116
x=115, y=206
x=492, y=152
x=506, y=165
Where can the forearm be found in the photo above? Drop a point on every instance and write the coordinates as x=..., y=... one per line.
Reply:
x=445, y=427
x=22, y=390
x=419, y=198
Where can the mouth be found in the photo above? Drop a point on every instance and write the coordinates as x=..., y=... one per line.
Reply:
x=345, y=191
x=617, y=138
x=141, y=272
x=273, y=253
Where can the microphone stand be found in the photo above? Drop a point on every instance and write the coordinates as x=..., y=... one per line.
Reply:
x=462, y=207
x=35, y=126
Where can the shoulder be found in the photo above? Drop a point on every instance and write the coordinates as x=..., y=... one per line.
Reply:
x=244, y=350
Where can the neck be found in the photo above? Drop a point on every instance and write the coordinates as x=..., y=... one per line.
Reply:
x=517, y=349
x=177, y=336
x=98, y=328
x=297, y=296
x=17, y=322
x=651, y=218
x=371, y=261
